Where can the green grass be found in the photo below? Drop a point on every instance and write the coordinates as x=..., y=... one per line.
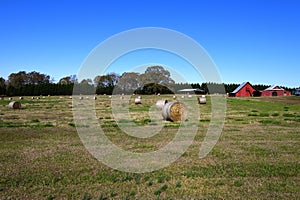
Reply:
x=257, y=155
x=33, y=124
x=270, y=121
x=252, y=115
x=275, y=114
x=289, y=115
x=264, y=115
x=161, y=189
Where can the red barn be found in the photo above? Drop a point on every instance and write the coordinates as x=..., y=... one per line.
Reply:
x=275, y=91
x=244, y=90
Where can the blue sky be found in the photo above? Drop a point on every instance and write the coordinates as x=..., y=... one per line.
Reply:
x=249, y=40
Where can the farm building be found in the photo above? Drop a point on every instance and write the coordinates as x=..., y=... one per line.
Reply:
x=275, y=91
x=297, y=92
x=196, y=91
x=244, y=90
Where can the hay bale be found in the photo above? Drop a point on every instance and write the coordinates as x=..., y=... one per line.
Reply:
x=182, y=97
x=10, y=98
x=158, y=94
x=121, y=97
x=139, y=97
x=20, y=98
x=138, y=101
x=174, y=111
x=1, y=98
x=70, y=97
x=160, y=104
x=14, y=105
x=174, y=97
x=32, y=97
x=202, y=100
x=95, y=98
x=38, y=98
x=190, y=96
x=80, y=98
x=109, y=97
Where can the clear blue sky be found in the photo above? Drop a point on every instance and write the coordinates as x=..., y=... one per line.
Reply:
x=249, y=40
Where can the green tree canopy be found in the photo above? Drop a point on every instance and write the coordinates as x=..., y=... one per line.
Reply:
x=129, y=82
x=157, y=75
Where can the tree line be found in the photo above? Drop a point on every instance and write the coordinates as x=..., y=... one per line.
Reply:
x=154, y=80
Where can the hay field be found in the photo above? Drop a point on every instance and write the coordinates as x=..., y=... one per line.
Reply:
x=257, y=156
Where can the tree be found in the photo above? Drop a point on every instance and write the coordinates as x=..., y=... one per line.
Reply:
x=129, y=82
x=153, y=88
x=23, y=83
x=65, y=80
x=108, y=80
x=2, y=86
x=68, y=80
x=157, y=75
x=86, y=82
x=36, y=78
x=73, y=78
x=105, y=84
x=22, y=78
x=84, y=87
x=16, y=80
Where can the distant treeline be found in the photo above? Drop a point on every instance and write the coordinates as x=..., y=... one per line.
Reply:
x=155, y=80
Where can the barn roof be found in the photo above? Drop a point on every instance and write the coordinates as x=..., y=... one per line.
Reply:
x=191, y=90
x=240, y=87
x=273, y=87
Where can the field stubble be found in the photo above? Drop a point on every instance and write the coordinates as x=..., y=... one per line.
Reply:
x=257, y=155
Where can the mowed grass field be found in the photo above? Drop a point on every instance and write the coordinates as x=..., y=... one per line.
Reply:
x=256, y=157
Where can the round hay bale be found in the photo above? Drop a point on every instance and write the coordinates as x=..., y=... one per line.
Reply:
x=190, y=96
x=202, y=100
x=174, y=111
x=10, y=98
x=20, y=98
x=32, y=97
x=182, y=97
x=109, y=97
x=139, y=97
x=138, y=101
x=160, y=104
x=70, y=97
x=38, y=98
x=14, y=105
x=158, y=94
x=203, y=96
x=95, y=98
x=121, y=97
x=174, y=97
x=80, y=97
x=1, y=98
